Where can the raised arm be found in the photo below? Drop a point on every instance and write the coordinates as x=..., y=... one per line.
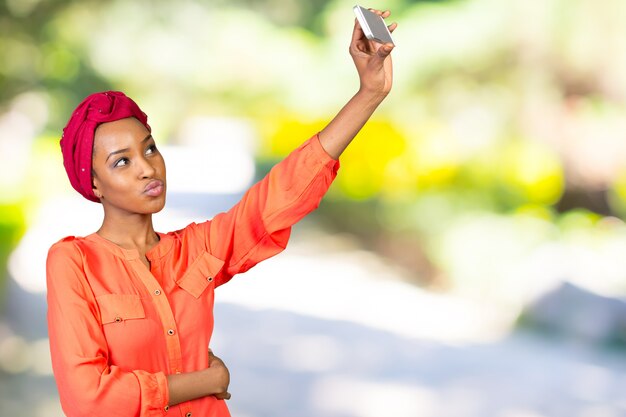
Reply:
x=373, y=64
x=259, y=225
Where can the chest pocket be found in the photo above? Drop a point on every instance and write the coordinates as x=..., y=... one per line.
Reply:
x=116, y=308
x=200, y=274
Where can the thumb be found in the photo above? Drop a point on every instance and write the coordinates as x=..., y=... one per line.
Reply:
x=384, y=51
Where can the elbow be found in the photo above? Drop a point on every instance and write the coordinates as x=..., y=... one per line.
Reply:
x=79, y=400
x=80, y=405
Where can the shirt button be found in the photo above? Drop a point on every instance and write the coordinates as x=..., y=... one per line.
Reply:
x=188, y=415
x=167, y=407
x=209, y=279
x=171, y=332
x=157, y=292
x=118, y=319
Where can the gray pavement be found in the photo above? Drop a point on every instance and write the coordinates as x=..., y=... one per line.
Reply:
x=324, y=333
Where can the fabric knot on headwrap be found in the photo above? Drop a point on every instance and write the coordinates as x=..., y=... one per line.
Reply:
x=78, y=135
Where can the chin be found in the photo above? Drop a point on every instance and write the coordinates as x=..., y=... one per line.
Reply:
x=158, y=205
x=150, y=206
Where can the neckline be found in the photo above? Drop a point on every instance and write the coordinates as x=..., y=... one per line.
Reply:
x=157, y=251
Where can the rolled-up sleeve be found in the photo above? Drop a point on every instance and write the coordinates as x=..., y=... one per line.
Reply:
x=259, y=225
x=88, y=384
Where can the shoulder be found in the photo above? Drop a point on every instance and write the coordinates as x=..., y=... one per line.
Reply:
x=66, y=266
x=69, y=246
x=191, y=232
x=190, y=240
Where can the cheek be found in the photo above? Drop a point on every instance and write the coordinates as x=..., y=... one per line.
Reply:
x=162, y=164
x=161, y=169
x=113, y=182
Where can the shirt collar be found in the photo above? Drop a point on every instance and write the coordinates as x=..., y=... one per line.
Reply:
x=157, y=251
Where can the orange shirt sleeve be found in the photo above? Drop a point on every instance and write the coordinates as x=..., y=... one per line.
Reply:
x=88, y=385
x=259, y=225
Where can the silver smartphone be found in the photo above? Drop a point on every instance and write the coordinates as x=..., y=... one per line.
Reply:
x=373, y=25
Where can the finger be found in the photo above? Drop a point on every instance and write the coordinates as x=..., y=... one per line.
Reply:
x=223, y=396
x=384, y=51
x=392, y=26
x=383, y=14
x=357, y=33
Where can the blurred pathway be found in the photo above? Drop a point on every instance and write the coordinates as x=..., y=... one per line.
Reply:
x=324, y=330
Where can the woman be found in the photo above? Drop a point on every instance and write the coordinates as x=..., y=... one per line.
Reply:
x=130, y=309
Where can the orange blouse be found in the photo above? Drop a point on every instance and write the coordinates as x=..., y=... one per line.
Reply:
x=117, y=329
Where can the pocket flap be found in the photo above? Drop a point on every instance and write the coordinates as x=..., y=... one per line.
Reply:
x=200, y=274
x=120, y=307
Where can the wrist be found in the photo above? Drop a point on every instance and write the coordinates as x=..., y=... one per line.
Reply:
x=368, y=100
x=217, y=379
x=371, y=94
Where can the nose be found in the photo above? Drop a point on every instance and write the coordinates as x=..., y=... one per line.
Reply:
x=146, y=168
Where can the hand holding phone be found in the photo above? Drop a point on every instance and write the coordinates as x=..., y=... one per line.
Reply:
x=372, y=58
x=373, y=25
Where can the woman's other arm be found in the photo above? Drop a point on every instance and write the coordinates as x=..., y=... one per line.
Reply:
x=88, y=384
x=191, y=385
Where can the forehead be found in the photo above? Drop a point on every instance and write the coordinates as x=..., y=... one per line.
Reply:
x=121, y=133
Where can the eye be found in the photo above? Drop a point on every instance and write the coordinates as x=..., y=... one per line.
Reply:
x=151, y=149
x=121, y=162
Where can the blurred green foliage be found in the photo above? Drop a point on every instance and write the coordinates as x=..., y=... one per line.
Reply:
x=506, y=109
x=12, y=225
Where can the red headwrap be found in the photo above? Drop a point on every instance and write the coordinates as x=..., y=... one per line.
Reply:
x=78, y=135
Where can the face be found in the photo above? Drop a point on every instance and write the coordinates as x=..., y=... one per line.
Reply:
x=128, y=170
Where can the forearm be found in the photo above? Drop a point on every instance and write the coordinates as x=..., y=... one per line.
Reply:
x=338, y=134
x=191, y=385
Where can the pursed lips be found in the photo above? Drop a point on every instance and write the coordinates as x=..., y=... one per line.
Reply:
x=154, y=187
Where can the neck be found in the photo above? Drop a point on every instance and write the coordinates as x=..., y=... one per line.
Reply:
x=130, y=232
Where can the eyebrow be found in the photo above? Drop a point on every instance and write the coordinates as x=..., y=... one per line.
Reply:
x=127, y=149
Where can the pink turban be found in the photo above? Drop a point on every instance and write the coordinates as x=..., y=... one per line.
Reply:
x=78, y=135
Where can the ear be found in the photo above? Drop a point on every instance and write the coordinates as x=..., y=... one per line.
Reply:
x=94, y=186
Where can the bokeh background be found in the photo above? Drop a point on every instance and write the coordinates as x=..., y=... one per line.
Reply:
x=470, y=258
